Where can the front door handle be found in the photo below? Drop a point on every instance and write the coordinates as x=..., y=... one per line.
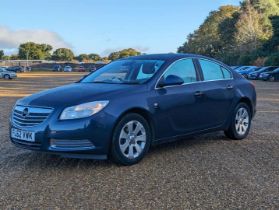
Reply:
x=229, y=87
x=199, y=93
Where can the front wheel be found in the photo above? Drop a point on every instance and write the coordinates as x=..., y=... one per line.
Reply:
x=240, y=123
x=131, y=140
x=6, y=76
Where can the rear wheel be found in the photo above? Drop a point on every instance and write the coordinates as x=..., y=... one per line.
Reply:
x=240, y=123
x=131, y=140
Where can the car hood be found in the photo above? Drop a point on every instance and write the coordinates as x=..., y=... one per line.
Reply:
x=74, y=94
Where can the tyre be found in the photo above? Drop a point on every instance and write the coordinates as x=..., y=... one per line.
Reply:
x=6, y=76
x=240, y=123
x=272, y=79
x=131, y=140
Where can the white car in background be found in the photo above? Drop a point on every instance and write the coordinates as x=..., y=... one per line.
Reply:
x=7, y=74
x=68, y=69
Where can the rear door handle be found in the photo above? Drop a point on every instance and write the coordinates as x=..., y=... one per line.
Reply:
x=229, y=87
x=199, y=93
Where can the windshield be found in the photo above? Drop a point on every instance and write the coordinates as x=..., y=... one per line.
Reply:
x=125, y=72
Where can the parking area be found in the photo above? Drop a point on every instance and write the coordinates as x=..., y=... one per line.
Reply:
x=203, y=172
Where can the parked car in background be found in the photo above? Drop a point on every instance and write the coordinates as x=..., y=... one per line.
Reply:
x=28, y=68
x=256, y=74
x=17, y=69
x=7, y=74
x=81, y=69
x=270, y=75
x=234, y=67
x=123, y=108
x=247, y=71
x=93, y=68
x=67, y=69
x=57, y=67
x=241, y=68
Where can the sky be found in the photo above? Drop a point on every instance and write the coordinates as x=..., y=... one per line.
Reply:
x=103, y=26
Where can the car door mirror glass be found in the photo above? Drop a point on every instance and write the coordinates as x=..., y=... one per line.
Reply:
x=171, y=80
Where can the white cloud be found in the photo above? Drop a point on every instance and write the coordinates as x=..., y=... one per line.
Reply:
x=11, y=39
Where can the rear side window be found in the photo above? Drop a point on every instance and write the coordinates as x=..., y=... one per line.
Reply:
x=185, y=69
x=213, y=71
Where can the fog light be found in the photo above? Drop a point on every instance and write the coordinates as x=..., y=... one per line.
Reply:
x=63, y=144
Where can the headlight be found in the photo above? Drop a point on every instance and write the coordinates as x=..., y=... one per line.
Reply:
x=83, y=110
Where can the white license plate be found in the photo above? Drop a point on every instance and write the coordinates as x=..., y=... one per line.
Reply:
x=22, y=135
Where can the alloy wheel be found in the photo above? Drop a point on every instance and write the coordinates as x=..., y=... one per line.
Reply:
x=132, y=139
x=242, y=121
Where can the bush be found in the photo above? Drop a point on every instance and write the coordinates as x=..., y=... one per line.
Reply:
x=272, y=60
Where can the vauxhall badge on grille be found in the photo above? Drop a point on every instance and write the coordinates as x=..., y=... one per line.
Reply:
x=25, y=112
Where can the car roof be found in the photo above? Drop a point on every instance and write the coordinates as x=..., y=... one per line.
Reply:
x=168, y=57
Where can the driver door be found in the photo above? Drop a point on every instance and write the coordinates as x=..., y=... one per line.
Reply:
x=178, y=110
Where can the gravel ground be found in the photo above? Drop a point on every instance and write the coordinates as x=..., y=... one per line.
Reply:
x=204, y=172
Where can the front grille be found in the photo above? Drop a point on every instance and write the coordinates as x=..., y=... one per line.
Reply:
x=24, y=116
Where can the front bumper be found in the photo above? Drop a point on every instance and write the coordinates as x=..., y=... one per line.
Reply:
x=87, y=138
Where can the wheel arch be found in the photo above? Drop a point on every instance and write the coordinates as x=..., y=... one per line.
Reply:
x=247, y=101
x=142, y=112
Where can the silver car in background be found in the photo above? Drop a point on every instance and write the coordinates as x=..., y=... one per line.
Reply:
x=7, y=74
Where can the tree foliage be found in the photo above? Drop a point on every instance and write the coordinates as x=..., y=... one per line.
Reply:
x=1, y=54
x=123, y=54
x=88, y=57
x=82, y=58
x=63, y=54
x=238, y=35
x=94, y=57
x=34, y=51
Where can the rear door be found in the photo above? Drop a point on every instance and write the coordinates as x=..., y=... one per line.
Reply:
x=217, y=93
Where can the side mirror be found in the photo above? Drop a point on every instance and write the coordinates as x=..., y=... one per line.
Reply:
x=171, y=80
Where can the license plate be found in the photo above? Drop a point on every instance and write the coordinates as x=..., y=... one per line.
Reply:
x=22, y=135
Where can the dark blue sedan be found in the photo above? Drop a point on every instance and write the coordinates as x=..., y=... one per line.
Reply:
x=270, y=76
x=128, y=105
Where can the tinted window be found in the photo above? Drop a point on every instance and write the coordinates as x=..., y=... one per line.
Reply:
x=227, y=74
x=212, y=71
x=185, y=69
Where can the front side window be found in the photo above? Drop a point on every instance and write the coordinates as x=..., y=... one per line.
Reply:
x=125, y=72
x=213, y=71
x=184, y=69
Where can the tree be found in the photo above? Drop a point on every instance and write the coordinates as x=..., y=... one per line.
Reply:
x=94, y=57
x=266, y=8
x=123, y=54
x=250, y=32
x=1, y=54
x=14, y=57
x=34, y=51
x=6, y=57
x=82, y=58
x=63, y=54
x=211, y=38
x=238, y=35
